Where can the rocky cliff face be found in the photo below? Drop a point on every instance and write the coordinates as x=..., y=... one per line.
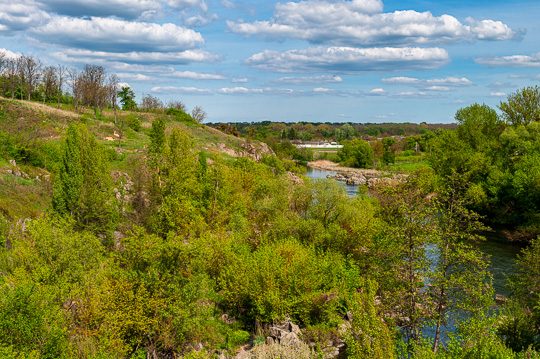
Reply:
x=253, y=150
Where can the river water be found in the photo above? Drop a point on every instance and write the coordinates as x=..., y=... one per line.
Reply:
x=502, y=253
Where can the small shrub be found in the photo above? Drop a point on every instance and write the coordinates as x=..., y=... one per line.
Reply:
x=133, y=122
x=237, y=337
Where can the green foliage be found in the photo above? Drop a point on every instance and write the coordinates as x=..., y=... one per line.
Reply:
x=133, y=122
x=520, y=322
x=356, y=153
x=54, y=253
x=83, y=185
x=499, y=161
x=29, y=326
x=518, y=327
x=180, y=115
x=246, y=239
x=157, y=137
x=127, y=98
x=479, y=126
x=286, y=150
x=368, y=336
x=388, y=157
x=68, y=188
x=280, y=279
x=522, y=107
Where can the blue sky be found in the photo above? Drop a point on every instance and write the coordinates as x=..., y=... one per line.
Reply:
x=287, y=61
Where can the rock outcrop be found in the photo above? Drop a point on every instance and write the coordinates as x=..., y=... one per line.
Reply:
x=253, y=150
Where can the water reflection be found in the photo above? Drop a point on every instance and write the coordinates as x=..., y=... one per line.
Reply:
x=316, y=173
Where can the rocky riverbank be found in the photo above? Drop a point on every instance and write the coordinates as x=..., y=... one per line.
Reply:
x=358, y=177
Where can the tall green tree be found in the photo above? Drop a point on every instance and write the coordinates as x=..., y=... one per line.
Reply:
x=83, y=185
x=479, y=126
x=156, y=151
x=460, y=284
x=403, y=263
x=522, y=107
x=127, y=98
x=69, y=183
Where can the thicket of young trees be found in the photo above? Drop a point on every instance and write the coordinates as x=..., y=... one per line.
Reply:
x=197, y=256
x=203, y=239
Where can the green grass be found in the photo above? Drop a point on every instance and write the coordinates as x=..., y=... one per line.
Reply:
x=20, y=198
x=408, y=167
x=414, y=158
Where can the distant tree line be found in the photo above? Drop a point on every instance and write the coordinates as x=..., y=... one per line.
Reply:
x=316, y=131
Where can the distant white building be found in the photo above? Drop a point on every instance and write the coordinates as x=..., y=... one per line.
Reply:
x=315, y=144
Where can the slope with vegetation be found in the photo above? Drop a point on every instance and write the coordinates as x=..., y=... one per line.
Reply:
x=157, y=244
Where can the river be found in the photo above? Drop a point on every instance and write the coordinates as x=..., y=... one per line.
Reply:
x=502, y=253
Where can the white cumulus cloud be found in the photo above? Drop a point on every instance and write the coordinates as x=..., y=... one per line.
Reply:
x=362, y=23
x=180, y=58
x=378, y=92
x=510, y=61
x=440, y=84
x=180, y=90
x=307, y=80
x=196, y=75
x=106, y=34
x=239, y=91
x=127, y=9
x=20, y=15
x=349, y=59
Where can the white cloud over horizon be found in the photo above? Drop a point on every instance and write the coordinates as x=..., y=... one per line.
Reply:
x=349, y=59
x=307, y=80
x=532, y=60
x=436, y=84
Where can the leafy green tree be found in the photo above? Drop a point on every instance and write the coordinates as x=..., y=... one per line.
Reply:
x=69, y=184
x=522, y=107
x=83, y=186
x=329, y=201
x=127, y=98
x=157, y=137
x=404, y=264
x=388, y=142
x=356, y=153
x=479, y=126
x=30, y=326
x=460, y=281
x=388, y=157
x=181, y=190
x=520, y=327
x=369, y=336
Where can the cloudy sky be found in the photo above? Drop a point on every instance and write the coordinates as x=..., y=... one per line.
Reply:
x=313, y=60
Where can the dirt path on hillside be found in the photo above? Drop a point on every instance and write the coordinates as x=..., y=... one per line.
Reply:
x=48, y=109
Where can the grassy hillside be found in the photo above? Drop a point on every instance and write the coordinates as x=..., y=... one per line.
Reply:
x=31, y=132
